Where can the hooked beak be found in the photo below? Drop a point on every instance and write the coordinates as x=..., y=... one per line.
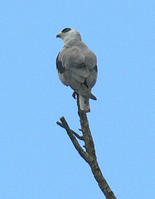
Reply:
x=59, y=35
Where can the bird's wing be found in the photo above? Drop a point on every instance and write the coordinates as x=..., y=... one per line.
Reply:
x=77, y=67
x=71, y=66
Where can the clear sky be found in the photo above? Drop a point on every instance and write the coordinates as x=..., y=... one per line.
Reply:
x=37, y=159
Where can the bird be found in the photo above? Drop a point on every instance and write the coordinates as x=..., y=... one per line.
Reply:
x=77, y=66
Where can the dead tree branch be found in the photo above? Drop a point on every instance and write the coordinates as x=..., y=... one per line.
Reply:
x=88, y=151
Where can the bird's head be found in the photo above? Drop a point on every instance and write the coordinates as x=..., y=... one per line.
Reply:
x=68, y=34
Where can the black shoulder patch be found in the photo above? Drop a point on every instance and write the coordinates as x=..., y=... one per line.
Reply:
x=59, y=66
x=66, y=30
x=95, y=68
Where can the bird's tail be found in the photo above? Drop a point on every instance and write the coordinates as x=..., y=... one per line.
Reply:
x=84, y=103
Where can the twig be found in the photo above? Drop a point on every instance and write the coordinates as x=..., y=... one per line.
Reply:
x=76, y=144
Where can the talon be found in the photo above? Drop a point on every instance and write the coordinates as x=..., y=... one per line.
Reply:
x=74, y=95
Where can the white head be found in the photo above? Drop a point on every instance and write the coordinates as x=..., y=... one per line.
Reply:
x=68, y=34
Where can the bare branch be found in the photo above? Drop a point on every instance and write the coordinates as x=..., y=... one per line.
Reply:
x=90, y=148
x=89, y=144
x=76, y=144
x=89, y=154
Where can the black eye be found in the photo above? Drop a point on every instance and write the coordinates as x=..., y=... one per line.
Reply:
x=66, y=30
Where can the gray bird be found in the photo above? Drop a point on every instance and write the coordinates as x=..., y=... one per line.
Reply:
x=77, y=66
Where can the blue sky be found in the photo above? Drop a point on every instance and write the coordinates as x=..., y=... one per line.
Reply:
x=37, y=159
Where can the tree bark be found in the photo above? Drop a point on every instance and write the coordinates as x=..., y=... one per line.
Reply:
x=88, y=151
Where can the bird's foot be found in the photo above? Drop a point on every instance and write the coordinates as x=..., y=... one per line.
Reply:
x=74, y=95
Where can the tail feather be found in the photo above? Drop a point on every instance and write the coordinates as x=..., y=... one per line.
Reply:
x=84, y=104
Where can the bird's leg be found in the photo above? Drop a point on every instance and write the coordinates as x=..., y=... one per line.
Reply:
x=74, y=95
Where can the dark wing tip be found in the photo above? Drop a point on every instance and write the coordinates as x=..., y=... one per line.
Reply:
x=93, y=97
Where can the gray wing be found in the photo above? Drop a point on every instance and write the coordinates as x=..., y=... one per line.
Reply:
x=77, y=67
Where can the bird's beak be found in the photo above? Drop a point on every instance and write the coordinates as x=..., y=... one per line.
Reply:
x=59, y=35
